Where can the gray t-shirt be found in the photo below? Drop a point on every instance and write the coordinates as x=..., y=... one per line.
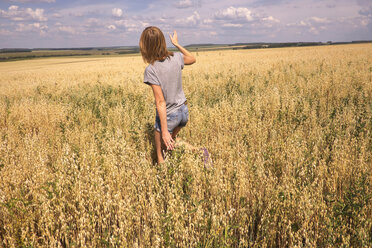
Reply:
x=168, y=75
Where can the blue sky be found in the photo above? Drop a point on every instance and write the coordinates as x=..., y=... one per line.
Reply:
x=87, y=23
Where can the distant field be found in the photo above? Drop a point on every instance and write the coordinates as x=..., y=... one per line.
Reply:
x=35, y=54
x=11, y=56
x=21, y=54
x=289, y=131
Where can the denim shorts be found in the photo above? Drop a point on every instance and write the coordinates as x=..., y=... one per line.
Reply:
x=178, y=118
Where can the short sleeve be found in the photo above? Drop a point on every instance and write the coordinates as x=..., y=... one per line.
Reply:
x=150, y=76
x=181, y=60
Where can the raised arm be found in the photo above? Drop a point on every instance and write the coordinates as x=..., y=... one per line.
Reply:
x=161, y=107
x=188, y=58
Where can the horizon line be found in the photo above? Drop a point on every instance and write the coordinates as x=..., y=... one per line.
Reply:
x=189, y=45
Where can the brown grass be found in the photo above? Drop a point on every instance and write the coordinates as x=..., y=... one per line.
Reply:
x=289, y=131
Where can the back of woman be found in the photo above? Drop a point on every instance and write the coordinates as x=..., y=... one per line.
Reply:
x=164, y=75
x=168, y=75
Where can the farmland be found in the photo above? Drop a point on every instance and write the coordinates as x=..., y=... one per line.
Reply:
x=289, y=131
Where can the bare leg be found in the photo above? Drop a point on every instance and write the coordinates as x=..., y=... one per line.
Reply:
x=158, y=145
x=175, y=132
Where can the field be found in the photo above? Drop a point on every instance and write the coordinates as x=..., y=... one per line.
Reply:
x=9, y=54
x=289, y=131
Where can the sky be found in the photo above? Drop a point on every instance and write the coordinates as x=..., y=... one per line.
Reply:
x=92, y=23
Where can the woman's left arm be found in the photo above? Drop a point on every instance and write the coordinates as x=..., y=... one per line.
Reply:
x=161, y=107
x=188, y=58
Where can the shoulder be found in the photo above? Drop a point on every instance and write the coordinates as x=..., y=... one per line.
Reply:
x=150, y=75
x=178, y=55
x=150, y=69
x=179, y=58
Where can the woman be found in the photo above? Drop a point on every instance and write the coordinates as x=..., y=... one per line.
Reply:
x=164, y=75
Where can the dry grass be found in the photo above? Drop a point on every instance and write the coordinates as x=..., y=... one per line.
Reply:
x=289, y=131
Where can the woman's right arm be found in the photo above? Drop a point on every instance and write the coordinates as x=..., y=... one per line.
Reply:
x=188, y=58
x=161, y=107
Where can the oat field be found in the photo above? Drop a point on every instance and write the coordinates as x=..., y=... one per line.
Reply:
x=289, y=131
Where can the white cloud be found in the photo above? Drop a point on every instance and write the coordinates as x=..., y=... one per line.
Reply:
x=92, y=22
x=243, y=17
x=96, y=23
x=67, y=29
x=192, y=20
x=270, y=19
x=207, y=21
x=42, y=28
x=232, y=25
x=57, y=15
x=129, y=25
x=33, y=1
x=121, y=23
x=233, y=13
x=111, y=27
x=87, y=10
x=37, y=14
x=319, y=19
x=364, y=22
x=310, y=22
x=356, y=22
x=116, y=12
x=15, y=13
x=313, y=25
x=313, y=30
x=184, y=4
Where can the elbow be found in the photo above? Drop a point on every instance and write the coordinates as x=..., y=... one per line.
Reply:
x=190, y=60
x=193, y=60
x=160, y=103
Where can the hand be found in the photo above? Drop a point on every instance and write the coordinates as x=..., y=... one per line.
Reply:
x=168, y=141
x=174, y=38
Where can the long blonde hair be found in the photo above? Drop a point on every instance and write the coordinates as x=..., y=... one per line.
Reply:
x=153, y=46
